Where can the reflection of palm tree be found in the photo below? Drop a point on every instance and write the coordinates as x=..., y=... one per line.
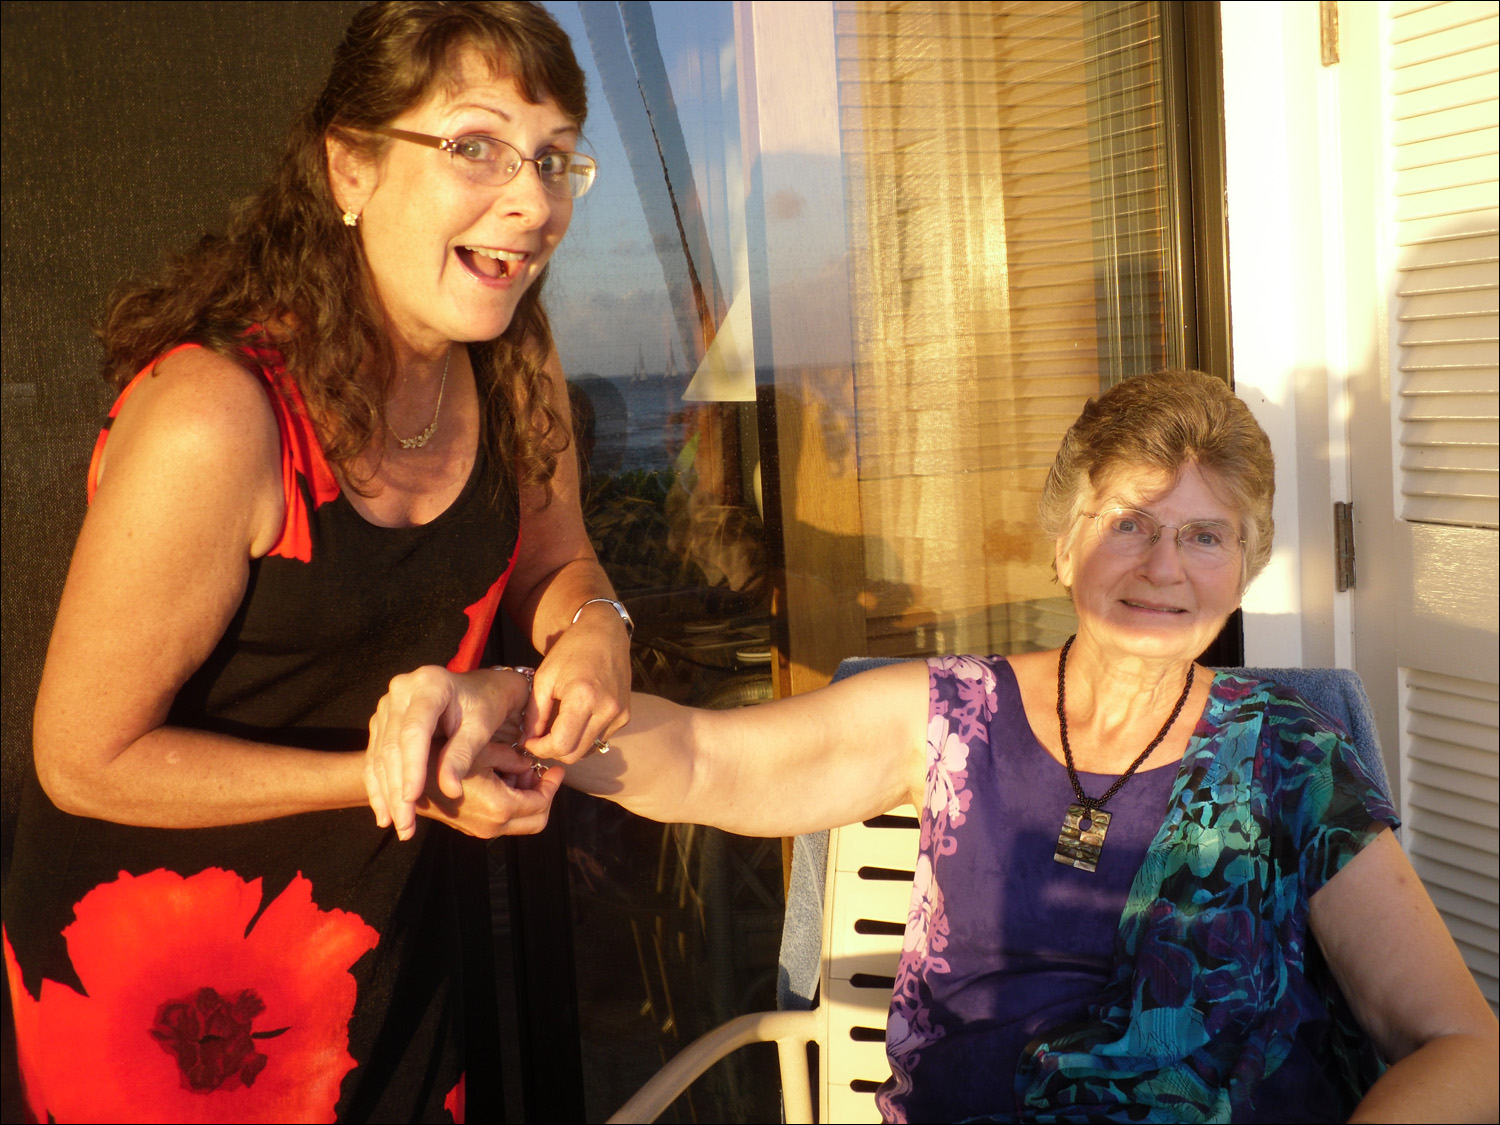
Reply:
x=634, y=76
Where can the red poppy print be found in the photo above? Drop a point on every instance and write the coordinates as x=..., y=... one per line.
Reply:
x=190, y=1013
x=481, y=617
x=454, y=1102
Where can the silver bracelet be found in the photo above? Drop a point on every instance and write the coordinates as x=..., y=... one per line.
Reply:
x=618, y=608
x=538, y=766
x=529, y=673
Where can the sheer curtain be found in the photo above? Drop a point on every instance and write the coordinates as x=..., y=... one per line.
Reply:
x=1006, y=167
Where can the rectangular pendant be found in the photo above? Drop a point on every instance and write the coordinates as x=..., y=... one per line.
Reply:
x=1080, y=847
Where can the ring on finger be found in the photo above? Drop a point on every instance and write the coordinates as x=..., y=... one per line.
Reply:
x=538, y=766
x=601, y=746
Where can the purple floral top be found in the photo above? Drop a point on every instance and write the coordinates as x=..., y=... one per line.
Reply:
x=1174, y=983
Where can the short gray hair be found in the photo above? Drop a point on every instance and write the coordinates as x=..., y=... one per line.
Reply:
x=1165, y=421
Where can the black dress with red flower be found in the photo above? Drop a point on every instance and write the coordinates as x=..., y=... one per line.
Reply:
x=308, y=968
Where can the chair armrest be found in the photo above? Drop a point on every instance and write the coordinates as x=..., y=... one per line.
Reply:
x=791, y=1032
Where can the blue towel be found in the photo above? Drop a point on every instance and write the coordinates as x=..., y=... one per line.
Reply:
x=1337, y=692
x=802, y=932
x=1340, y=695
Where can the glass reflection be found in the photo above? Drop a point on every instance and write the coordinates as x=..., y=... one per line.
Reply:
x=676, y=927
x=984, y=193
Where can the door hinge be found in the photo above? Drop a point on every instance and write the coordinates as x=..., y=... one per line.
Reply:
x=1343, y=545
x=1328, y=31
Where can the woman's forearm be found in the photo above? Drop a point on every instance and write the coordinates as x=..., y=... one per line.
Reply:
x=1450, y=1078
x=177, y=778
x=651, y=766
x=797, y=765
x=561, y=595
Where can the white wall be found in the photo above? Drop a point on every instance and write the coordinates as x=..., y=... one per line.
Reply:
x=1281, y=145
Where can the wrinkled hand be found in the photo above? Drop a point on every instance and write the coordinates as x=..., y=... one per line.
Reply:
x=502, y=795
x=461, y=712
x=582, y=690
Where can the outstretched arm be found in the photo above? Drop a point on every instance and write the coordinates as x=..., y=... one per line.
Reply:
x=1410, y=990
x=845, y=753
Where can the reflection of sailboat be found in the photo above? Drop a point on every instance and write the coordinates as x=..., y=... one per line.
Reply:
x=639, y=374
x=671, y=371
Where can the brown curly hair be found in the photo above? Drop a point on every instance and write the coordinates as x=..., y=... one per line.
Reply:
x=287, y=264
x=1164, y=421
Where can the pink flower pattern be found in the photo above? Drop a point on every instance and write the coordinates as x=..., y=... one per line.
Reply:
x=956, y=718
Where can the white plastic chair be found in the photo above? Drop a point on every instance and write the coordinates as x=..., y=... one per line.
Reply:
x=864, y=918
x=846, y=915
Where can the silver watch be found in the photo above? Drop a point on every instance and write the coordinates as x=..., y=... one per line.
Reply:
x=620, y=609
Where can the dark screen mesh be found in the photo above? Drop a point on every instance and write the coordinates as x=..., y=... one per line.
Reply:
x=128, y=131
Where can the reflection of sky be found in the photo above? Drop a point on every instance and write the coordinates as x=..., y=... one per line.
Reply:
x=605, y=293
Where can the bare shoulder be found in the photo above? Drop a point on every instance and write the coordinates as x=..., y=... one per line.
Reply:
x=1034, y=665
x=1036, y=675
x=886, y=694
x=887, y=708
x=200, y=395
x=885, y=705
x=201, y=420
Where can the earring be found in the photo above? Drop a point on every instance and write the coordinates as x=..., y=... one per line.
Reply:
x=351, y=219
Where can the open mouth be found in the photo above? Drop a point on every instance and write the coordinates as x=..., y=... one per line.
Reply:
x=492, y=265
x=1152, y=608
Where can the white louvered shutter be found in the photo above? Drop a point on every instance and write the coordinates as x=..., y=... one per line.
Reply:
x=1452, y=749
x=1444, y=140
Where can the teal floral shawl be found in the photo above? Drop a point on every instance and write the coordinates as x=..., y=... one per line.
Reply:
x=1213, y=953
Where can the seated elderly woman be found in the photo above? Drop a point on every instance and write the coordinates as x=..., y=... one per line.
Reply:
x=1136, y=873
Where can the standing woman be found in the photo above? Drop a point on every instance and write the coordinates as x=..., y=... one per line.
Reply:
x=334, y=457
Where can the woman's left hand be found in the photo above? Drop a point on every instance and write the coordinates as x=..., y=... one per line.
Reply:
x=501, y=795
x=555, y=596
x=582, y=690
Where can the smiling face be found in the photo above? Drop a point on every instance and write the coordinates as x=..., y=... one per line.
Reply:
x=1158, y=606
x=451, y=258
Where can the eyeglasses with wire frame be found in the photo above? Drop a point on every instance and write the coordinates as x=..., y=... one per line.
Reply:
x=1129, y=533
x=494, y=163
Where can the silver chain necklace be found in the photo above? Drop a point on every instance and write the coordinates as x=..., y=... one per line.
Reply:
x=426, y=435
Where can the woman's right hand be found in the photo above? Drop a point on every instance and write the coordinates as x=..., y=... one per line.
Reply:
x=431, y=752
x=500, y=795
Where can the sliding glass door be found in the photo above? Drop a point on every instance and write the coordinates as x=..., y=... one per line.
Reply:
x=849, y=272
